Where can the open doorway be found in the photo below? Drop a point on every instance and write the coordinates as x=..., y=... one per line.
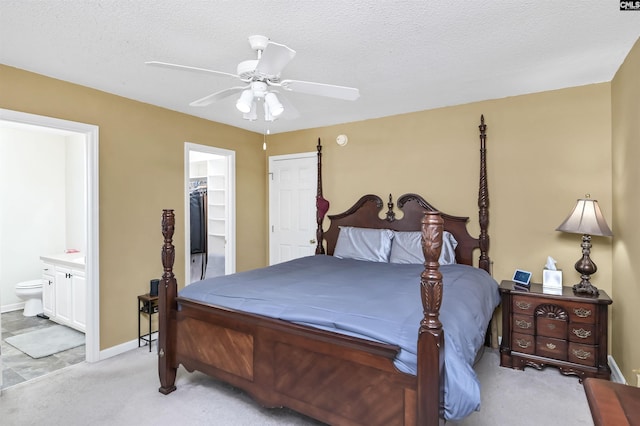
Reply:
x=87, y=136
x=209, y=212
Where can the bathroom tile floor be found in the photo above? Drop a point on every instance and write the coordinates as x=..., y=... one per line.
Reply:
x=17, y=366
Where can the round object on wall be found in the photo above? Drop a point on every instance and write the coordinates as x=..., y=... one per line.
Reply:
x=342, y=140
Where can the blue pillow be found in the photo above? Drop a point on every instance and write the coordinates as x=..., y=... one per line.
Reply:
x=407, y=248
x=373, y=245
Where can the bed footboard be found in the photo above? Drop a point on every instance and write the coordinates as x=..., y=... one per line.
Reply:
x=334, y=378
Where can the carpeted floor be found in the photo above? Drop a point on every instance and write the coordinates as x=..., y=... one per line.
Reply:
x=123, y=390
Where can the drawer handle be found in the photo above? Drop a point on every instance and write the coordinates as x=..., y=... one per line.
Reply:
x=523, y=305
x=581, y=333
x=523, y=343
x=524, y=324
x=551, y=326
x=551, y=346
x=581, y=353
x=582, y=312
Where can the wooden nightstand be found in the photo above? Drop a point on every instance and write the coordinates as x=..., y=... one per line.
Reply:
x=563, y=330
x=147, y=305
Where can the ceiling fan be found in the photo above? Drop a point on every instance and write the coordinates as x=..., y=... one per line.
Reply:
x=262, y=79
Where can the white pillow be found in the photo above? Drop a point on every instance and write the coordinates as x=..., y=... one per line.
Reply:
x=407, y=248
x=373, y=245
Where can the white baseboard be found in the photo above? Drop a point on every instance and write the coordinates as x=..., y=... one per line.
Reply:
x=123, y=347
x=616, y=374
x=10, y=308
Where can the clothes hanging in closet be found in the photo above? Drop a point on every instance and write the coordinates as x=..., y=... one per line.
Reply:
x=198, y=219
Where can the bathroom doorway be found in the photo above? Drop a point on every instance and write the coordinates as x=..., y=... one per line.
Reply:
x=87, y=136
x=209, y=212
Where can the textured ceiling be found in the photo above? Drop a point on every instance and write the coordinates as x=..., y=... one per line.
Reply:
x=404, y=56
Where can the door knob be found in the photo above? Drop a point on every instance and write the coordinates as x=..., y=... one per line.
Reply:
x=312, y=241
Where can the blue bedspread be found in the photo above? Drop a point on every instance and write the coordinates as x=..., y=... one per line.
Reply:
x=375, y=301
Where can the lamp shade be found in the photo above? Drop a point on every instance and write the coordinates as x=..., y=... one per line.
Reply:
x=586, y=218
x=244, y=102
x=252, y=114
x=275, y=107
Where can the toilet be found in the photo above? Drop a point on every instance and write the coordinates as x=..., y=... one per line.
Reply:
x=31, y=293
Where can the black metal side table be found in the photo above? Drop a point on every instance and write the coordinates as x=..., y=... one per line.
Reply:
x=148, y=305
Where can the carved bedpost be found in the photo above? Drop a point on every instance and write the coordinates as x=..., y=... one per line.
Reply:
x=430, y=335
x=483, y=201
x=166, y=305
x=322, y=205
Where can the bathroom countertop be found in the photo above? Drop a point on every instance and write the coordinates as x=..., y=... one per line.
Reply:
x=72, y=260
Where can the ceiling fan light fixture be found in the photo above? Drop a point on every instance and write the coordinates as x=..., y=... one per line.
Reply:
x=245, y=101
x=267, y=114
x=274, y=105
x=258, y=77
x=253, y=114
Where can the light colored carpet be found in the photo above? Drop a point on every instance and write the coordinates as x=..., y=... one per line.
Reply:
x=123, y=390
x=527, y=398
x=47, y=341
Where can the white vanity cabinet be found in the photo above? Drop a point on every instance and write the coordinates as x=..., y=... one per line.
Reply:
x=64, y=294
x=48, y=290
x=78, y=300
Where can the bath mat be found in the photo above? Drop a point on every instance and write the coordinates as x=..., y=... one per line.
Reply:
x=47, y=341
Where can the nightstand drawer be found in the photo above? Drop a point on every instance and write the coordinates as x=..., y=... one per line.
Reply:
x=582, y=312
x=524, y=305
x=551, y=327
x=524, y=343
x=523, y=324
x=582, y=333
x=583, y=354
x=551, y=348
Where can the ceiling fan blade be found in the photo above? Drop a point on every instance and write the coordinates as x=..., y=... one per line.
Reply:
x=215, y=97
x=321, y=89
x=273, y=60
x=188, y=68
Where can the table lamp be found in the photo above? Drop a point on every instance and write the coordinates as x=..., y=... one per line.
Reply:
x=586, y=219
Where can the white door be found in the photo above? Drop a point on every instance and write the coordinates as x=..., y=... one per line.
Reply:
x=292, y=206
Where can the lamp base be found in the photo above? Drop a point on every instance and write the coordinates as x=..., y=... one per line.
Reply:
x=586, y=268
x=586, y=288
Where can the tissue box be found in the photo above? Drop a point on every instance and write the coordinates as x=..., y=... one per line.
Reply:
x=552, y=279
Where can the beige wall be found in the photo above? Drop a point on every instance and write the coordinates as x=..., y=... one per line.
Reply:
x=141, y=171
x=545, y=150
x=625, y=93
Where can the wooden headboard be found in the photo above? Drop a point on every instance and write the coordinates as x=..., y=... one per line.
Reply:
x=365, y=213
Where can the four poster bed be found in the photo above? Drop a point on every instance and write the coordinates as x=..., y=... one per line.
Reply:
x=362, y=342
